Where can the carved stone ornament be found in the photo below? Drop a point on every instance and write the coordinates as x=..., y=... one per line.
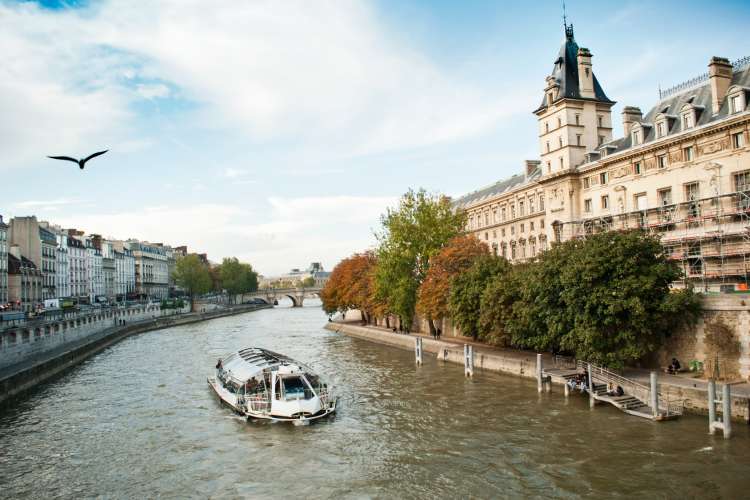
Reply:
x=714, y=146
x=649, y=163
x=620, y=172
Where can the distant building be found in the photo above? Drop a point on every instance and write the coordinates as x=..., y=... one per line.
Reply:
x=40, y=247
x=151, y=269
x=295, y=277
x=3, y=263
x=77, y=267
x=24, y=281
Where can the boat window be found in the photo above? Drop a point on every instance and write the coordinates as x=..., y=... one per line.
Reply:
x=277, y=388
x=295, y=388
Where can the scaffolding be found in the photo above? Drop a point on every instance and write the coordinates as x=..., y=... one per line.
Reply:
x=709, y=237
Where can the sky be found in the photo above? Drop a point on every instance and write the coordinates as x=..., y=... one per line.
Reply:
x=279, y=131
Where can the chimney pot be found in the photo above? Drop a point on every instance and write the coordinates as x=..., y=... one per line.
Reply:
x=630, y=116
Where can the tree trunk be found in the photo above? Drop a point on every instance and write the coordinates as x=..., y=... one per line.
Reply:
x=431, y=324
x=387, y=322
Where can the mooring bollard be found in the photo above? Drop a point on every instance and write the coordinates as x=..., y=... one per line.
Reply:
x=418, y=349
x=539, y=372
x=726, y=396
x=468, y=360
x=711, y=406
x=654, y=396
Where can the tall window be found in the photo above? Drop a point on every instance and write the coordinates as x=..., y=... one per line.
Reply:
x=521, y=211
x=578, y=139
x=587, y=206
x=687, y=121
x=735, y=104
x=586, y=183
x=578, y=119
x=692, y=196
x=541, y=202
x=601, y=140
x=531, y=204
x=687, y=153
x=665, y=197
x=605, y=202
x=502, y=214
x=512, y=211
x=738, y=140
x=636, y=138
x=603, y=178
x=548, y=146
x=661, y=161
x=546, y=127
x=559, y=140
x=660, y=129
x=562, y=163
x=742, y=181
x=600, y=120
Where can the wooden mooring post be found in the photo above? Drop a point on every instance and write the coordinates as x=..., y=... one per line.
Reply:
x=542, y=382
x=468, y=360
x=726, y=409
x=418, y=349
x=654, y=395
x=592, y=401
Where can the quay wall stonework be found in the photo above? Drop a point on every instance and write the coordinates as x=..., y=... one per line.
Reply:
x=21, y=377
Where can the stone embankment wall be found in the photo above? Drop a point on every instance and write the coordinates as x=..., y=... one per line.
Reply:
x=723, y=330
x=523, y=364
x=70, y=348
x=19, y=343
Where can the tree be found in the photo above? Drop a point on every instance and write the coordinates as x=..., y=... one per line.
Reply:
x=454, y=258
x=466, y=291
x=308, y=282
x=411, y=235
x=351, y=286
x=606, y=299
x=237, y=277
x=192, y=275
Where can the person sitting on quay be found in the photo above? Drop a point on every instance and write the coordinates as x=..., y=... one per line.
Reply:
x=614, y=391
x=674, y=367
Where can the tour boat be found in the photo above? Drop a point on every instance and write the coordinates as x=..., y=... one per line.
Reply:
x=262, y=384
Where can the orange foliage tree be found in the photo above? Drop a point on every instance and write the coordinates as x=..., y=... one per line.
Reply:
x=352, y=286
x=454, y=258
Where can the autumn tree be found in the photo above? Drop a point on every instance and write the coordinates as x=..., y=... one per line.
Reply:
x=351, y=286
x=411, y=235
x=454, y=258
x=192, y=275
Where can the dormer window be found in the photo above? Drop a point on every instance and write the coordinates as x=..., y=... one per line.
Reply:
x=660, y=129
x=687, y=120
x=636, y=137
x=734, y=104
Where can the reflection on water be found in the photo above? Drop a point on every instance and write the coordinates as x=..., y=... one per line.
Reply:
x=138, y=420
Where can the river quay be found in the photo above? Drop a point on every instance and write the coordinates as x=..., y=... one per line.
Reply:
x=694, y=392
x=40, y=366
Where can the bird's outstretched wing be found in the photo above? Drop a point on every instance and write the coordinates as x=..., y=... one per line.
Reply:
x=99, y=153
x=68, y=158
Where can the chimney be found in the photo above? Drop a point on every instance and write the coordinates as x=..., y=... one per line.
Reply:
x=630, y=116
x=720, y=76
x=585, y=74
x=530, y=167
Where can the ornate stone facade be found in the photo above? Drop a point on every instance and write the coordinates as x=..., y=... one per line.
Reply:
x=682, y=170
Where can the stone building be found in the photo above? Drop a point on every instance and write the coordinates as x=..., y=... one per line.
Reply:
x=94, y=271
x=77, y=266
x=39, y=246
x=151, y=269
x=108, y=269
x=681, y=170
x=62, y=271
x=24, y=281
x=3, y=263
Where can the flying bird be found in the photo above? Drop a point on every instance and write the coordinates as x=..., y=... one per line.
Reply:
x=80, y=162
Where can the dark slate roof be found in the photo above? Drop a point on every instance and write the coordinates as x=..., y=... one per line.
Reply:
x=699, y=96
x=565, y=72
x=15, y=264
x=497, y=188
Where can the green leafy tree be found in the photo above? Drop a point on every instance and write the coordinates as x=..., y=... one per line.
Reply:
x=237, y=277
x=466, y=292
x=308, y=282
x=192, y=275
x=606, y=299
x=411, y=234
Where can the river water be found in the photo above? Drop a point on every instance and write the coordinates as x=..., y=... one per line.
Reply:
x=138, y=420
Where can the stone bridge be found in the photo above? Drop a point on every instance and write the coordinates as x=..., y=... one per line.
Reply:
x=296, y=295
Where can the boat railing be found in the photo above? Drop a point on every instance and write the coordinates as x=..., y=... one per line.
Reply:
x=259, y=402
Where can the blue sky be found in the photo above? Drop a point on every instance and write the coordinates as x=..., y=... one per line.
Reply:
x=279, y=131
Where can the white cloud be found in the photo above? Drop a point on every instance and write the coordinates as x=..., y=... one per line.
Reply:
x=317, y=72
x=287, y=232
x=47, y=205
x=151, y=91
x=233, y=173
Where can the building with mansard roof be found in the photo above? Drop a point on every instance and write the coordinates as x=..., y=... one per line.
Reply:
x=681, y=170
